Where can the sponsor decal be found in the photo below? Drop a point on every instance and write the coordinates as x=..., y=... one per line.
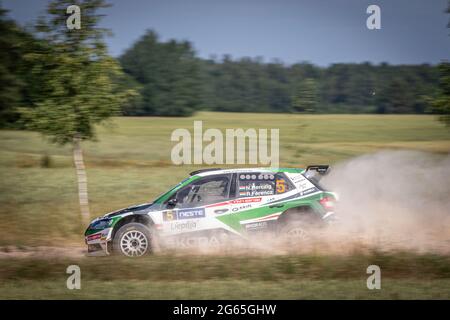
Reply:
x=308, y=191
x=256, y=188
x=242, y=207
x=237, y=201
x=183, y=226
x=297, y=178
x=256, y=193
x=248, y=200
x=303, y=184
x=256, y=226
x=188, y=242
x=190, y=213
x=95, y=236
x=253, y=176
x=171, y=215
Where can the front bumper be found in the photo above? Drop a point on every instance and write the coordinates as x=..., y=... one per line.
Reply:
x=98, y=243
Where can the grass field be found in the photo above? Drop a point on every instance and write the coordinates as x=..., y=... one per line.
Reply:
x=404, y=276
x=131, y=164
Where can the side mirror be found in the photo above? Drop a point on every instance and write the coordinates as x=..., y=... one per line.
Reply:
x=172, y=203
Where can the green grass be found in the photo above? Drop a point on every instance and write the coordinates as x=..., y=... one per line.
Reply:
x=404, y=276
x=176, y=267
x=131, y=164
x=236, y=289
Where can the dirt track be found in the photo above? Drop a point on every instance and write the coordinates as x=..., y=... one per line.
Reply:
x=330, y=242
x=42, y=252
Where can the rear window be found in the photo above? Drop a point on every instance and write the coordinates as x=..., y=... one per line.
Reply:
x=283, y=184
x=263, y=184
x=314, y=179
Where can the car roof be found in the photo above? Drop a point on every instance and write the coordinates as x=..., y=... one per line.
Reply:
x=214, y=171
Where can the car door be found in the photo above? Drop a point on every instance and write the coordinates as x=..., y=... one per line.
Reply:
x=194, y=208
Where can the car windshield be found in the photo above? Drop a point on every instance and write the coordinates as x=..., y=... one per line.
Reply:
x=161, y=196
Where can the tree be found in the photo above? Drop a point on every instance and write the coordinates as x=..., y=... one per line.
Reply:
x=14, y=43
x=77, y=88
x=168, y=74
x=441, y=103
x=305, y=98
x=396, y=97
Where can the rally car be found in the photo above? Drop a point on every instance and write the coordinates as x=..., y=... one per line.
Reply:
x=215, y=204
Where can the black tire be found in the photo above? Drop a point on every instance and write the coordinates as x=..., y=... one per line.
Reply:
x=295, y=230
x=298, y=227
x=133, y=240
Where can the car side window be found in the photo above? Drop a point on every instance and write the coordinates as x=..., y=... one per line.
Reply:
x=204, y=191
x=282, y=183
x=255, y=184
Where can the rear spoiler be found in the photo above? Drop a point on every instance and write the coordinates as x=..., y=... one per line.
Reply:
x=320, y=169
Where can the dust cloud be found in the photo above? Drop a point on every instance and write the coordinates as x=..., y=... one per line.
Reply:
x=388, y=201
x=392, y=200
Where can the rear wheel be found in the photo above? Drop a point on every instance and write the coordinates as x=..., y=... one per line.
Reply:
x=133, y=240
x=296, y=230
x=298, y=227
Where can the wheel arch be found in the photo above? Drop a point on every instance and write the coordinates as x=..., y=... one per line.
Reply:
x=137, y=218
x=301, y=211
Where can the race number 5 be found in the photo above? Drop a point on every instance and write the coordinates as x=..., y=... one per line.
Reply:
x=168, y=215
x=281, y=187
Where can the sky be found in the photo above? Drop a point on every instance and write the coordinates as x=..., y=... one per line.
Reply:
x=319, y=31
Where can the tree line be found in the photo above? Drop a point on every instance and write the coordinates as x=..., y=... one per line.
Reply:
x=172, y=80
x=169, y=79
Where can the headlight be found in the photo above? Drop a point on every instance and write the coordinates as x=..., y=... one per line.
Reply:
x=101, y=224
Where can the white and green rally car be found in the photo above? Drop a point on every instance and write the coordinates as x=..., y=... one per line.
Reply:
x=214, y=204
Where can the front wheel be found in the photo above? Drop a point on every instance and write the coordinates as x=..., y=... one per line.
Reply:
x=133, y=240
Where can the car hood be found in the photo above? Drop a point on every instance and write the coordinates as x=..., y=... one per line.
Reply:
x=135, y=208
